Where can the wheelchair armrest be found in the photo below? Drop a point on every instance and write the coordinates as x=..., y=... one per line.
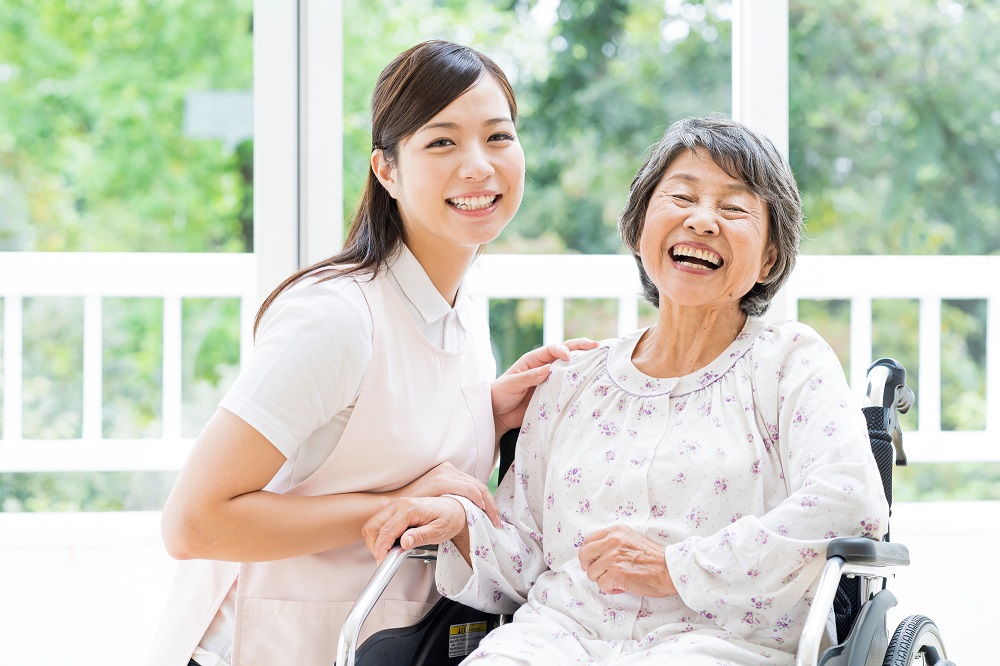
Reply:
x=861, y=550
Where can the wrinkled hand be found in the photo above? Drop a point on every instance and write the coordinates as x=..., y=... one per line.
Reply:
x=446, y=479
x=415, y=521
x=619, y=559
x=512, y=390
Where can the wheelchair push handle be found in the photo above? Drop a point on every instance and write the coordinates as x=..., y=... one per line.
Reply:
x=887, y=389
x=347, y=644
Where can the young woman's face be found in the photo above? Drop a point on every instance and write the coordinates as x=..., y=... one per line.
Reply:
x=704, y=239
x=458, y=180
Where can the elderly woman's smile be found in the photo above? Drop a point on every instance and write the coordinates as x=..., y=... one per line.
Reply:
x=704, y=241
x=696, y=258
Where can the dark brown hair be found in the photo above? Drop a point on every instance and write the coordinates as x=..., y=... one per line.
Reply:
x=417, y=85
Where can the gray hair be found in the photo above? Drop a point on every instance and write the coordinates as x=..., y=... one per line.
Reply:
x=745, y=155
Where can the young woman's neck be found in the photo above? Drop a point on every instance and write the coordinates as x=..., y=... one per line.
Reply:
x=685, y=340
x=445, y=266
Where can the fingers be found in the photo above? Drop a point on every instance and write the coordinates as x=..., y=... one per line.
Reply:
x=584, y=344
x=479, y=494
x=382, y=529
x=433, y=532
x=551, y=352
x=517, y=383
x=415, y=521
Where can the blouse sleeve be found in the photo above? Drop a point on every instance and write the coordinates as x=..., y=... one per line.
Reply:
x=506, y=562
x=751, y=573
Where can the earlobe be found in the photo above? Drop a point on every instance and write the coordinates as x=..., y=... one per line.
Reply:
x=384, y=172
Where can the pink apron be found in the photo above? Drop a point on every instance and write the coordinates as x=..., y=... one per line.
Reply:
x=418, y=406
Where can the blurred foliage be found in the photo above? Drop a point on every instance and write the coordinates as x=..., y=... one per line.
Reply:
x=894, y=131
x=85, y=491
x=941, y=482
x=894, y=125
x=208, y=329
x=92, y=150
x=133, y=367
x=515, y=328
x=52, y=359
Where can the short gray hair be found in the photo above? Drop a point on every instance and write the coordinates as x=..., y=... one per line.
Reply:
x=746, y=156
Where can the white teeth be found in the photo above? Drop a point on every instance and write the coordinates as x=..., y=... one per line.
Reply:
x=473, y=203
x=699, y=267
x=697, y=253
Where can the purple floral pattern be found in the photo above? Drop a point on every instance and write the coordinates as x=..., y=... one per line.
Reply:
x=742, y=470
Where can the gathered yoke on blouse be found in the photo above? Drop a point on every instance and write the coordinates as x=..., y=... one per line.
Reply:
x=743, y=471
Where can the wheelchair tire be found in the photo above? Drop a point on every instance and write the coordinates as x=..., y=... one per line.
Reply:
x=916, y=640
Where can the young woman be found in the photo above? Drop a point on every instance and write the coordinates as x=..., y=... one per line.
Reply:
x=371, y=378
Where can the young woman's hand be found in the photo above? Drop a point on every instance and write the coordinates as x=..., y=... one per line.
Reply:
x=619, y=559
x=417, y=521
x=446, y=479
x=512, y=390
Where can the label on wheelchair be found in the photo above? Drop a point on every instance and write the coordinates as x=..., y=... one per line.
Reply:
x=464, y=638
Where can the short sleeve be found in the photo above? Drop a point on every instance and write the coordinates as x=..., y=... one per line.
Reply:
x=311, y=352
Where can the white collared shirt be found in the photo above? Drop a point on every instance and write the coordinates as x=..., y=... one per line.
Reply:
x=313, y=347
x=439, y=322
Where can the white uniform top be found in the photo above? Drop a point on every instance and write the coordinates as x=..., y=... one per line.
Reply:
x=300, y=385
x=743, y=471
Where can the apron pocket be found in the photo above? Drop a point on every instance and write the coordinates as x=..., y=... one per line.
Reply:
x=305, y=633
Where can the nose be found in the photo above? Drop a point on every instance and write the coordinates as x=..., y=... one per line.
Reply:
x=476, y=164
x=701, y=220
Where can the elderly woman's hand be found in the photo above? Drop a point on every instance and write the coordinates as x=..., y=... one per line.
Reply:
x=619, y=559
x=512, y=390
x=417, y=521
x=446, y=479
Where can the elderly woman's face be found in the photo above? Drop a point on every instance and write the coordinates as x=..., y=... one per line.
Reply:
x=704, y=238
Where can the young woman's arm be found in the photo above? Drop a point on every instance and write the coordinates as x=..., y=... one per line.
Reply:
x=218, y=510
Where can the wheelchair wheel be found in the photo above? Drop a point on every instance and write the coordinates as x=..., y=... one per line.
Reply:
x=916, y=640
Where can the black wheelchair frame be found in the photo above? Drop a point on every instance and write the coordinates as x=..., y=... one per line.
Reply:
x=852, y=585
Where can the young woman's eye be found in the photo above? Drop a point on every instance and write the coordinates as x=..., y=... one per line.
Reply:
x=502, y=136
x=440, y=143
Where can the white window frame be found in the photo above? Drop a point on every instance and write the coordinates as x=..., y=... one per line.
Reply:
x=298, y=135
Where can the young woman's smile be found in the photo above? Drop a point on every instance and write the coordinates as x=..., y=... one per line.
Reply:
x=459, y=179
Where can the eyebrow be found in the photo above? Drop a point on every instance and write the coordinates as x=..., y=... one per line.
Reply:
x=733, y=187
x=454, y=126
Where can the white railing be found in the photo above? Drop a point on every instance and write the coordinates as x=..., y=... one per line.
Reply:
x=554, y=279
x=94, y=277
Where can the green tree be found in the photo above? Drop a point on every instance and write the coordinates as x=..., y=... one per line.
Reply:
x=91, y=135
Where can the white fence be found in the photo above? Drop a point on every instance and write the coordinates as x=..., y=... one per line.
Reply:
x=173, y=277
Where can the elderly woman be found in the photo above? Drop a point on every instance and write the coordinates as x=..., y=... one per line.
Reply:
x=674, y=490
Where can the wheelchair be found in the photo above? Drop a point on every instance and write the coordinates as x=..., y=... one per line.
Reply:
x=852, y=586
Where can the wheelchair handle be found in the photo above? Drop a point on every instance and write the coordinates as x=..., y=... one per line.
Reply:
x=347, y=644
x=887, y=389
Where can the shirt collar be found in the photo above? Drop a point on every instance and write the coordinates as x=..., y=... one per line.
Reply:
x=631, y=380
x=416, y=286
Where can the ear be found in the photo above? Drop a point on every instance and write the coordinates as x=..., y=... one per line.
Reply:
x=385, y=173
x=770, y=259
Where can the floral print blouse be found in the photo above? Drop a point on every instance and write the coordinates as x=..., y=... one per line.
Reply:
x=743, y=471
